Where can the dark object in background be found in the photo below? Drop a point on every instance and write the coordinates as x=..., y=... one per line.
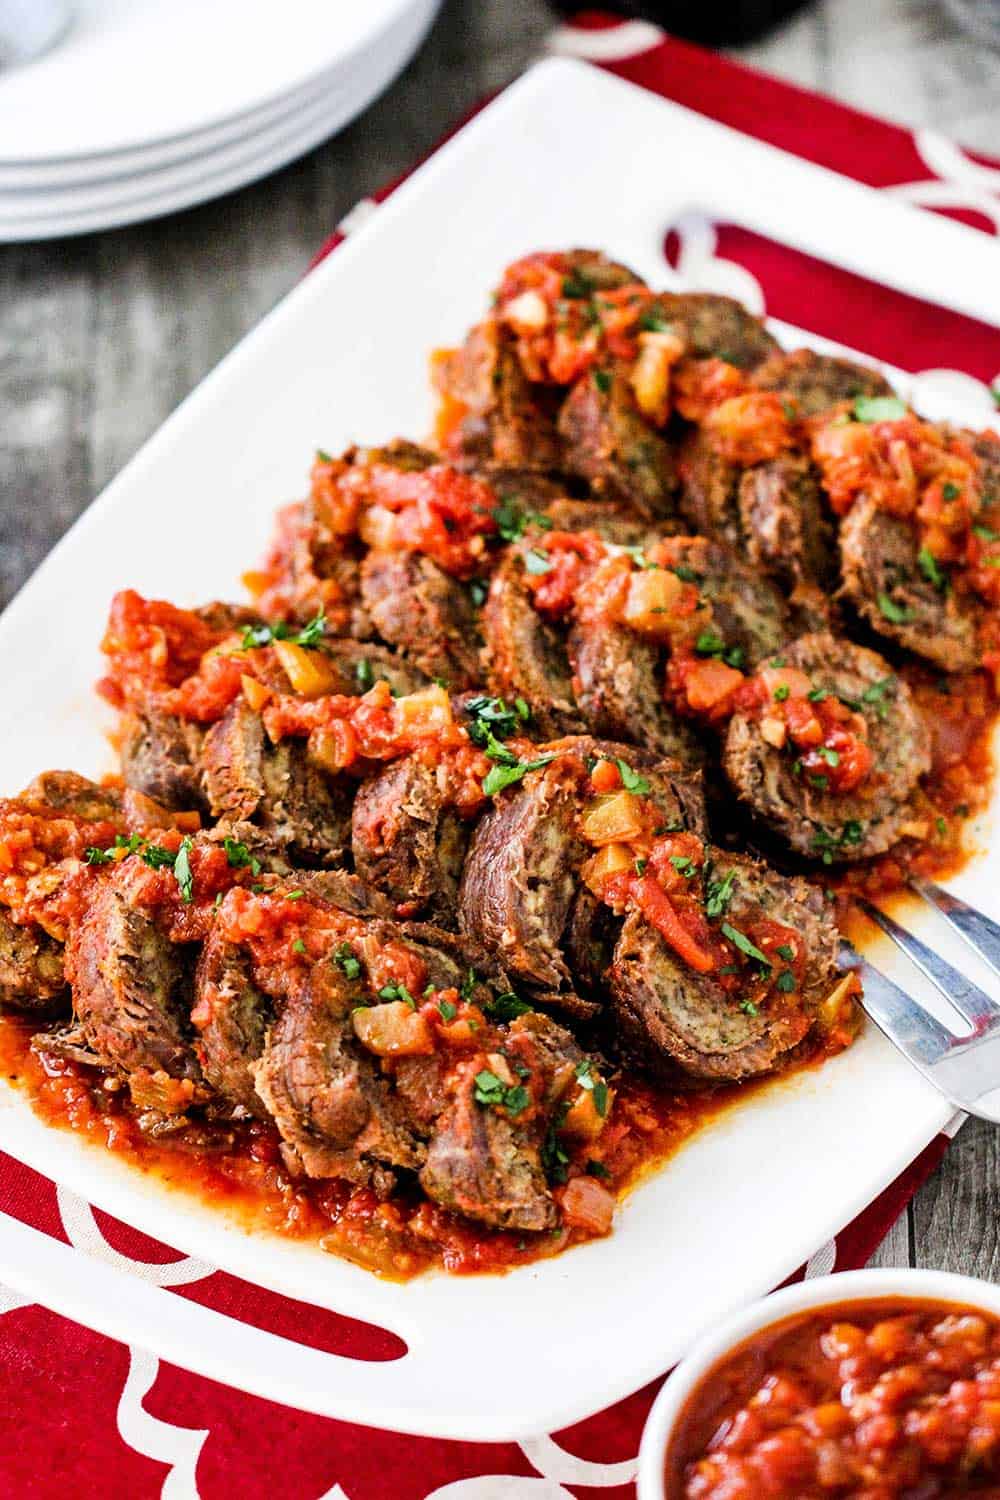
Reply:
x=717, y=22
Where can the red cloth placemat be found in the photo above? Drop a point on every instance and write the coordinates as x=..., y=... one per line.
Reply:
x=80, y=1412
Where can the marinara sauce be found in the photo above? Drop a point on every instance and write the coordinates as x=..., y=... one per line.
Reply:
x=891, y=1399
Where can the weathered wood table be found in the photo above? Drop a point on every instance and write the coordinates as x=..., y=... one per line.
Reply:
x=101, y=337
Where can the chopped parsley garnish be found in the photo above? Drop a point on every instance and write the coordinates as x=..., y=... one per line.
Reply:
x=595, y=1086
x=554, y=1159
x=684, y=865
x=363, y=674
x=597, y=1169
x=537, y=561
x=831, y=757
x=469, y=985
x=345, y=959
x=477, y=592
x=293, y=895
x=640, y=866
x=786, y=981
x=879, y=408
x=950, y=491
x=577, y=286
x=263, y=635
x=742, y=942
x=709, y=644
x=447, y=1010
x=718, y=895
x=820, y=782
x=631, y=780
x=749, y=1007
x=506, y=1006
x=182, y=871
x=239, y=856
x=602, y=379
x=942, y=827
x=817, y=695
x=686, y=574
x=825, y=842
x=397, y=991
x=298, y=946
x=986, y=533
x=928, y=565
x=785, y=951
x=512, y=522
x=652, y=322
x=95, y=856
x=510, y=771
x=897, y=614
x=323, y=456
x=781, y=692
x=491, y=717
x=156, y=857
x=491, y=1090
x=995, y=393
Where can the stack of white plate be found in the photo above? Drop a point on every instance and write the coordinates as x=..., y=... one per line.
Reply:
x=148, y=106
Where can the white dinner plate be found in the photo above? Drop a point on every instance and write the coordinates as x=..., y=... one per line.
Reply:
x=131, y=73
x=567, y=156
x=250, y=155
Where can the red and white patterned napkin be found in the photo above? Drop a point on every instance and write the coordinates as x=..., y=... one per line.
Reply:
x=80, y=1411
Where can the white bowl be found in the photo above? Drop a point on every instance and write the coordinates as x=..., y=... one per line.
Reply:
x=849, y=1286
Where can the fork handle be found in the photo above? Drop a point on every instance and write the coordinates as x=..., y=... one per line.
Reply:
x=980, y=931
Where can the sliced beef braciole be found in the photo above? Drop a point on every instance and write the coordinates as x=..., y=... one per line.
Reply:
x=617, y=524
x=425, y=614
x=278, y=787
x=716, y=327
x=794, y=790
x=484, y=1158
x=610, y=444
x=159, y=757
x=407, y=838
x=885, y=583
x=521, y=874
x=31, y=968
x=357, y=665
x=813, y=382
x=75, y=795
x=749, y=614
x=503, y=417
x=709, y=489
x=788, y=528
x=336, y=1114
x=131, y=994
x=525, y=656
x=682, y=1024
x=231, y=1016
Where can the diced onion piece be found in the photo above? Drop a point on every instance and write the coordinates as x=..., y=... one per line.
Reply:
x=528, y=312
x=501, y=1068
x=425, y=712
x=775, y=678
x=831, y=1011
x=613, y=859
x=916, y=828
x=377, y=528
x=774, y=731
x=309, y=672
x=651, y=374
x=614, y=819
x=392, y=1030
x=652, y=595
x=587, y=1205
x=582, y=1121
x=255, y=692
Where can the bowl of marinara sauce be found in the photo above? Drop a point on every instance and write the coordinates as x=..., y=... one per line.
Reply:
x=871, y=1385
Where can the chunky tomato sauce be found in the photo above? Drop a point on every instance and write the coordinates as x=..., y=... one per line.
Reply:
x=237, y=1167
x=885, y=1400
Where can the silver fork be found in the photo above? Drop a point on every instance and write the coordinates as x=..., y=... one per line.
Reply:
x=965, y=1068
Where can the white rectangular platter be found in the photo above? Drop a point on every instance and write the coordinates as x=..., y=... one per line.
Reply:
x=567, y=156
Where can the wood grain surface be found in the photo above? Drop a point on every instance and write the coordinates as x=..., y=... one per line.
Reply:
x=101, y=337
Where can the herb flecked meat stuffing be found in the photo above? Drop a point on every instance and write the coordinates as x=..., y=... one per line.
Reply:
x=434, y=873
